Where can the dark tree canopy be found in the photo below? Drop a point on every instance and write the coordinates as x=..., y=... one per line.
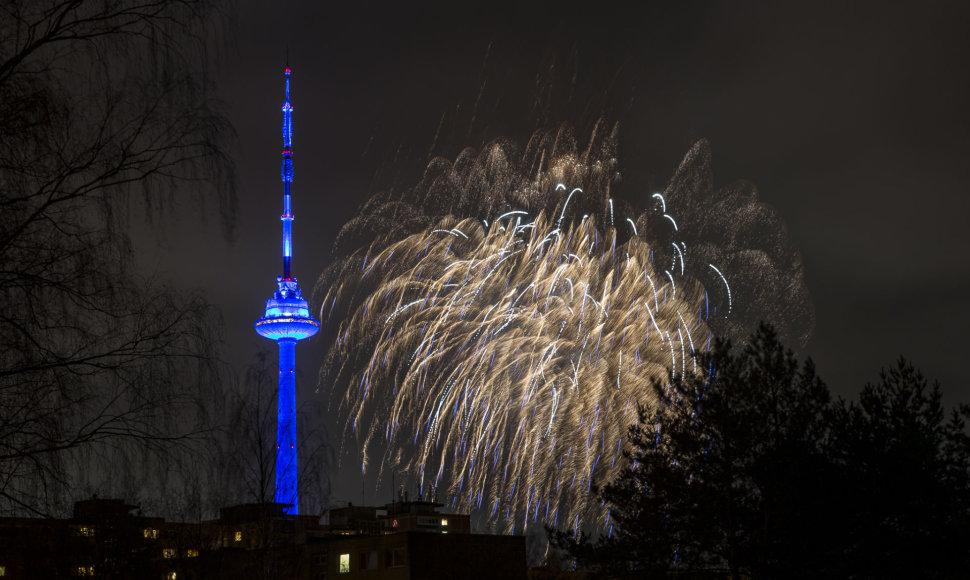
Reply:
x=753, y=471
x=905, y=469
x=102, y=111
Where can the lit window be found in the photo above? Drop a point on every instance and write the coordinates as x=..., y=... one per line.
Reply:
x=168, y=553
x=3, y=570
x=85, y=531
x=344, y=567
x=444, y=522
x=170, y=576
x=151, y=533
x=191, y=553
x=238, y=536
x=84, y=571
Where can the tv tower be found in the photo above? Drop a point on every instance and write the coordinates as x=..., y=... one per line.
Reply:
x=287, y=320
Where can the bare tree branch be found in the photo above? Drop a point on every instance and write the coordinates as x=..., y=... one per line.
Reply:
x=100, y=108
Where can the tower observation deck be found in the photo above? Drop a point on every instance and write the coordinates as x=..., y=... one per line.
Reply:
x=287, y=320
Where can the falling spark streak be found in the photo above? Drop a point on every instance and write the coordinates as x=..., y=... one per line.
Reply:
x=562, y=187
x=673, y=288
x=681, y=256
x=511, y=213
x=726, y=285
x=403, y=308
x=672, y=221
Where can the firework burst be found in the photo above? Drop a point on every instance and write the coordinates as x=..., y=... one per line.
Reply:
x=497, y=336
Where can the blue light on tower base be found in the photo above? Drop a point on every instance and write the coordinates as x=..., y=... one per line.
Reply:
x=287, y=320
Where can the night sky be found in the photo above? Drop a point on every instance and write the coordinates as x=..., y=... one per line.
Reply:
x=851, y=120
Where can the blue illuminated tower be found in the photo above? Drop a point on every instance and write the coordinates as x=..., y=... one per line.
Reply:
x=287, y=320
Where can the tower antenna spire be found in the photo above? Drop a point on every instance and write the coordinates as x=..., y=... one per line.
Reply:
x=286, y=173
x=287, y=320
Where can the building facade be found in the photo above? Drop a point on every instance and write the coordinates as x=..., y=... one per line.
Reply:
x=109, y=539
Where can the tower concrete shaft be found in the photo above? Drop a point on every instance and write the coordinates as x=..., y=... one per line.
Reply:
x=287, y=320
